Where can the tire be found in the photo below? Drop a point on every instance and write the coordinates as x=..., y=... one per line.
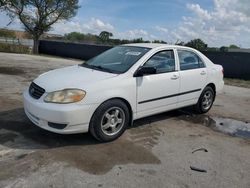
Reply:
x=110, y=120
x=205, y=101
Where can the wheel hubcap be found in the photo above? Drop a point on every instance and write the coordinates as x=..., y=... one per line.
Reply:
x=207, y=100
x=112, y=121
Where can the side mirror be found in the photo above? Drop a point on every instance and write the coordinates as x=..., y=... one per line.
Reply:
x=145, y=71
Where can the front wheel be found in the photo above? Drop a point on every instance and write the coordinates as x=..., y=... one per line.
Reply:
x=110, y=120
x=205, y=101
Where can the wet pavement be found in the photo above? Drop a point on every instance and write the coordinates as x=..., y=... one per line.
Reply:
x=17, y=132
x=156, y=152
x=11, y=71
x=225, y=125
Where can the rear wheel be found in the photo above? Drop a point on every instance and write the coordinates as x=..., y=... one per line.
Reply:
x=205, y=101
x=110, y=120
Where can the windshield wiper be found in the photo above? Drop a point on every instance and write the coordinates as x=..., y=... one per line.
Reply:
x=104, y=69
x=86, y=65
x=95, y=67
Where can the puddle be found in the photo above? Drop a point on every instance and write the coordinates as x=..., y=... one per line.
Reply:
x=225, y=125
x=233, y=127
x=11, y=70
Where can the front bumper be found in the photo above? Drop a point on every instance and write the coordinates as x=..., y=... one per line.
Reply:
x=75, y=116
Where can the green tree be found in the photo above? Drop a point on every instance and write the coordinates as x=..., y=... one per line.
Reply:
x=159, y=41
x=75, y=36
x=179, y=43
x=105, y=35
x=233, y=46
x=197, y=44
x=37, y=16
x=224, y=49
x=138, y=40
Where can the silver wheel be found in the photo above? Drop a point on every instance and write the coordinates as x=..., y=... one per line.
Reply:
x=207, y=100
x=112, y=121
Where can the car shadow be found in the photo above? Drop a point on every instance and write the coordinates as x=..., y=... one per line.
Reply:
x=16, y=131
x=162, y=116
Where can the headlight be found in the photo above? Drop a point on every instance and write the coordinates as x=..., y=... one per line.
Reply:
x=65, y=96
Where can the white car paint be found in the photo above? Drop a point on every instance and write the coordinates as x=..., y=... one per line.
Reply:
x=102, y=86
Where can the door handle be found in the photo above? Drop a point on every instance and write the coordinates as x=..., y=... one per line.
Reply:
x=203, y=73
x=174, y=77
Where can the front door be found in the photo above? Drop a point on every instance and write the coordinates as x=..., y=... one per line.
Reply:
x=158, y=92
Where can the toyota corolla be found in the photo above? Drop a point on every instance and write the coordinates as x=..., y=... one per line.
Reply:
x=105, y=94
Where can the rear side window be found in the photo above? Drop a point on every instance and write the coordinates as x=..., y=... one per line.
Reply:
x=163, y=61
x=189, y=60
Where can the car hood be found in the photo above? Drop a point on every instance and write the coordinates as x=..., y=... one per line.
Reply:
x=70, y=77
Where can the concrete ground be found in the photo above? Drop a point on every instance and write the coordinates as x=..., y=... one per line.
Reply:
x=155, y=152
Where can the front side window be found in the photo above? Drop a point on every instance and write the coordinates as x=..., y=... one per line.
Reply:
x=189, y=60
x=163, y=61
x=117, y=60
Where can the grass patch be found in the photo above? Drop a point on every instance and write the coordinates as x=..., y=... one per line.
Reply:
x=237, y=82
x=14, y=48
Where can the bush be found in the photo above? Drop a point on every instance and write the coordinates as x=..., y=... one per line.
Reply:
x=14, y=48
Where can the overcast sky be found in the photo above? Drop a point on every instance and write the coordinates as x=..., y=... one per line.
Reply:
x=217, y=22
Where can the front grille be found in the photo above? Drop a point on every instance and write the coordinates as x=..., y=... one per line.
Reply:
x=36, y=91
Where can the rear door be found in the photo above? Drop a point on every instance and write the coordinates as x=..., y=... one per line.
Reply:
x=193, y=77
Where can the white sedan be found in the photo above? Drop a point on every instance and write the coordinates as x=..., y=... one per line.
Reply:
x=107, y=93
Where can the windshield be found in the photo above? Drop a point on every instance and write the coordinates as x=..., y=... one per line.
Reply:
x=116, y=60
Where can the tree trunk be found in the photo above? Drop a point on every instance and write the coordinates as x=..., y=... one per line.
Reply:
x=35, y=45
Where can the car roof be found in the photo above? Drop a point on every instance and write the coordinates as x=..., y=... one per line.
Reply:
x=156, y=45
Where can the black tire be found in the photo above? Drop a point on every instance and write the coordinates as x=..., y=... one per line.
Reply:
x=96, y=123
x=200, y=107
